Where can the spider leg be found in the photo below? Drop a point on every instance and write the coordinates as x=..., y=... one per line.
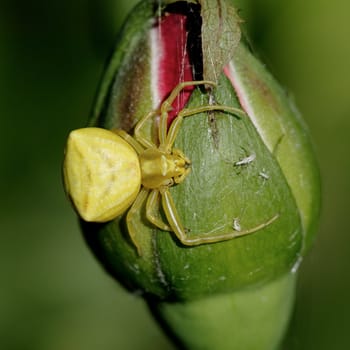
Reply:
x=137, y=131
x=176, y=124
x=171, y=135
x=129, y=139
x=202, y=238
x=166, y=106
x=235, y=111
x=152, y=209
x=130, y=217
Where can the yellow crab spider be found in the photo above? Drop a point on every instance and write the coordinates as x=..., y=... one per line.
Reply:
x=108, y=172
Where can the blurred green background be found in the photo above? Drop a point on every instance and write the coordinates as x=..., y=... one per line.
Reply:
x=53, y=294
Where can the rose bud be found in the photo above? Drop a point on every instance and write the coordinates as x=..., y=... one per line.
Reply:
x=196, y=181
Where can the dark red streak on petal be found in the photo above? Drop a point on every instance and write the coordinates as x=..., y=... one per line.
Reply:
x=174, y=65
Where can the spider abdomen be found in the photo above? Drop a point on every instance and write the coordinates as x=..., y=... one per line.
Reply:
x=101, y=173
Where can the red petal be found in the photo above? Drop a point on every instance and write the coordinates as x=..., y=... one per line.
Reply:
x=170, y=61
x=229, y=72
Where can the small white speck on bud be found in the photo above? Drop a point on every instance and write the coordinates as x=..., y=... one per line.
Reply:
x=236, y=225
x=246, y=160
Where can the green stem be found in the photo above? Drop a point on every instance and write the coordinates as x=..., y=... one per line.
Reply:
x=251, y=319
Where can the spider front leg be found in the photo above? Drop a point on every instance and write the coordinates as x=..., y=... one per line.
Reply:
x=166, y=106
x=176, y=124
x=167, y=137
x=201, y=238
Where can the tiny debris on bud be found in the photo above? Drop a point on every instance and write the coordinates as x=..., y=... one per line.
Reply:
x=236, y=225
x=246, y=160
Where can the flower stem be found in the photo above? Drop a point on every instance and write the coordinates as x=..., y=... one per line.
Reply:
x=251, y=319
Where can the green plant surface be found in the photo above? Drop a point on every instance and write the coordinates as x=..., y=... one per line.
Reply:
x=53, y=294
